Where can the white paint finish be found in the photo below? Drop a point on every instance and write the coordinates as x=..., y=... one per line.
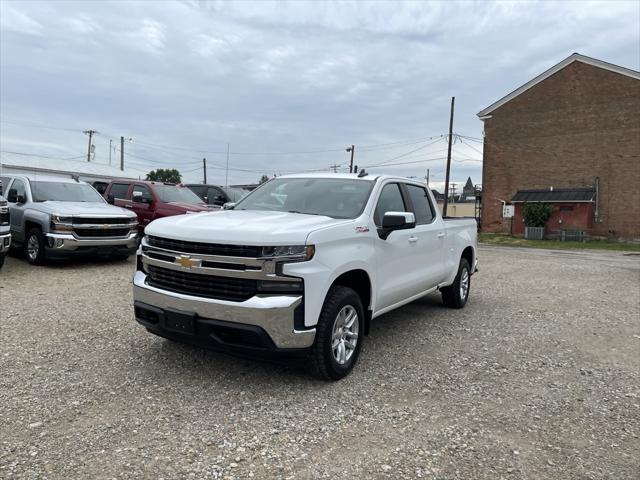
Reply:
x=405, y=266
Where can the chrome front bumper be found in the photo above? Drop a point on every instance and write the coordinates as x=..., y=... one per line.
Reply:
x=274, y=314
x=5, y=242
x=63, y=242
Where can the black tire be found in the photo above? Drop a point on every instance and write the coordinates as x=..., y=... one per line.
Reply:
x=41, y=255
x=452, y=296
x=322, y=359
x=2, y=255
x=123, y=257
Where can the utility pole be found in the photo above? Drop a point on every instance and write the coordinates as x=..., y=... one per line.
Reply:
x=446, y=182
x=110, y=142
x=226, y=179
x=204, y=169
x=351, y=149
x=335, y=168
x=90, y=133
x=122, y=153
x=427, y=177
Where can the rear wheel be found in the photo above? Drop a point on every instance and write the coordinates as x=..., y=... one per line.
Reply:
x=456, y=295
x=34, y=247
x=338, y=334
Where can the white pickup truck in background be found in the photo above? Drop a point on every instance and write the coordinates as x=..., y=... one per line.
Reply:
x=303, y=263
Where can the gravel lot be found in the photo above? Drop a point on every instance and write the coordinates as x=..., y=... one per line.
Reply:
x=538, y=377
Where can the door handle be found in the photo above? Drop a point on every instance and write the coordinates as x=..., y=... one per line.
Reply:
x=413, y=239
x=441, y=234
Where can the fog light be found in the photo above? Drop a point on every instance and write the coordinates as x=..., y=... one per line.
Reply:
x=6, y=241
x=59, y=242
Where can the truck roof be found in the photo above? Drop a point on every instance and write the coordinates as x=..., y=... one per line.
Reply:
x=45, y=178
x=352, y=176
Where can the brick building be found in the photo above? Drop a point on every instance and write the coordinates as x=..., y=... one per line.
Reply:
x=575, y=125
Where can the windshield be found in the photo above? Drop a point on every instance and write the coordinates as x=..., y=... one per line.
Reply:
x=336, y=198
x=64, y=192
x=235, y=194
x=171, y=193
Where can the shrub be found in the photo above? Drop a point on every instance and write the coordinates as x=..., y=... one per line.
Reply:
x=536, y=214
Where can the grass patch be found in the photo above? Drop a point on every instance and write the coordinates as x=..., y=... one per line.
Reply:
x=509, y=241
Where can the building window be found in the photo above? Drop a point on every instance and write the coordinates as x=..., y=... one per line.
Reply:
x=566, y=209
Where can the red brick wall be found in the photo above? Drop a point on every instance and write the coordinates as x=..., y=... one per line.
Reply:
x=581, y=123
x=580, y=218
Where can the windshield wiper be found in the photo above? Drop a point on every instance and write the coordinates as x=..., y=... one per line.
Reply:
x=306, y=213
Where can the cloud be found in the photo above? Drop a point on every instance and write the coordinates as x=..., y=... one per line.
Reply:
x=278, y=77
x=13, y=20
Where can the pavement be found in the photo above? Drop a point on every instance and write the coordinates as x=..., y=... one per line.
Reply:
x=537, y=378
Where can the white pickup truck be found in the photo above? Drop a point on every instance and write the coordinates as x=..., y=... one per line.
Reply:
x=302, y=264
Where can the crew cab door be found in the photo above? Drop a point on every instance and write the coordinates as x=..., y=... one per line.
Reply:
x=398, y=274
x=431, y=234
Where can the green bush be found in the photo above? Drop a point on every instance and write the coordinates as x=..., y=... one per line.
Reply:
x=536, y=214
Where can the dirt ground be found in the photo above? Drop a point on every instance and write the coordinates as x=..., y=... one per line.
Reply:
x=537, y=378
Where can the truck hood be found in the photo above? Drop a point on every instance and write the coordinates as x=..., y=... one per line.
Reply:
x=241, y=227
x=83, y=208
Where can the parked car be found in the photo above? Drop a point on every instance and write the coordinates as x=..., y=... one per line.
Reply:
x=303, y=263
x=53, y=217
x=152, y=200
x=216, y=195
x=5, y=230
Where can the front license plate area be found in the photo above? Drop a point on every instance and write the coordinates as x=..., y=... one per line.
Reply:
x=180, y=322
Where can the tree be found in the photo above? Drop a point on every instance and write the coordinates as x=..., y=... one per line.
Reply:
x=169, y=175
x=536, y=214
x=263, y=179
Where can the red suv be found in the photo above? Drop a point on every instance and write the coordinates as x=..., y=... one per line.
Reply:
x=151, y=200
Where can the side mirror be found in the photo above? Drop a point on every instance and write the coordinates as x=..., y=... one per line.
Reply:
x=396, y=221
x=12, y=196
x=228, y=206
x=21, y=199
x=110, y=199
x=219, y=200
x=141, y=199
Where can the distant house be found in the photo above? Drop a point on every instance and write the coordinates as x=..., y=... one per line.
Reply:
x=97, y=174
x=437, y=195
x=575, y=126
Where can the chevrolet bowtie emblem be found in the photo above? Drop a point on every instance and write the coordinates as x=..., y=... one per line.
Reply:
x=105, y=226
x=186, y=262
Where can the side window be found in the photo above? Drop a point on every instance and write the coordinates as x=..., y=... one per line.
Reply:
x=421, y=204
x=214, y=196
x=201, y=191
x=17, y=189
x=119, y=190
x=142, y=191
x=390, y=201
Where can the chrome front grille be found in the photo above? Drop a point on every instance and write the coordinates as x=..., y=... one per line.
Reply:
x=207, y=286
x=205, y=248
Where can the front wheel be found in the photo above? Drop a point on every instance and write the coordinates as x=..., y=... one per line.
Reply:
x=34, y=247
x=456, y=295
x=2, y=255
x=338, y=334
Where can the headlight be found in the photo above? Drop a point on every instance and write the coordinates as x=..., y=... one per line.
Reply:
x=61, y=224
x=293, y=252
x=60, y=219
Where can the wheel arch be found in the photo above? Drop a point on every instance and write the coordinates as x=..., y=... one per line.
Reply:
x=358, y=280
x=469, y=255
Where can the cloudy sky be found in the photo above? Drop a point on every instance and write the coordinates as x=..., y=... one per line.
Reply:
x=287, y=85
